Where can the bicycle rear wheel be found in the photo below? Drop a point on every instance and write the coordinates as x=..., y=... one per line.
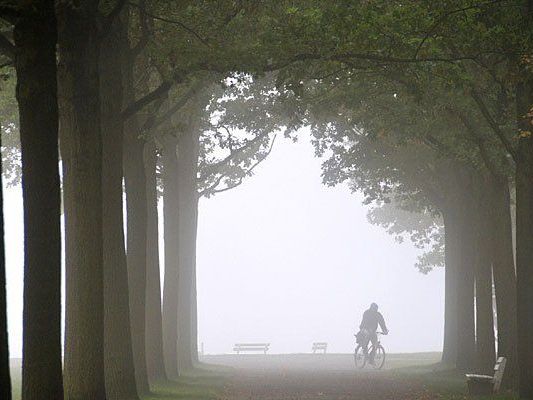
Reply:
x=359, y=357
x=379, y=357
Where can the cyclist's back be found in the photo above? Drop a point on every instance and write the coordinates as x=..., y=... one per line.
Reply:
x=371, y=319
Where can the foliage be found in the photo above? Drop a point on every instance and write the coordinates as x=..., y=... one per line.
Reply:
x=423, y=228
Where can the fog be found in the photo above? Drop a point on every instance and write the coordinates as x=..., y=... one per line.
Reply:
x=285, y=260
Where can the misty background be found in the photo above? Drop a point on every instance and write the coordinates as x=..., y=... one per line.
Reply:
x=285, y=260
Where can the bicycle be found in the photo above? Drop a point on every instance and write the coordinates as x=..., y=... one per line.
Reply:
x=361, y=359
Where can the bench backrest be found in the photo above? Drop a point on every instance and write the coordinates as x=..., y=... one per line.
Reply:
x=499, y=369
x=264, y=347
x=260, y=345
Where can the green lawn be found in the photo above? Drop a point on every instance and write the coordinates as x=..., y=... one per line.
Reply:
x=202, y=383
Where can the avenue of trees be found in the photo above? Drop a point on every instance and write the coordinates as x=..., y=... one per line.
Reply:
x=424, y=107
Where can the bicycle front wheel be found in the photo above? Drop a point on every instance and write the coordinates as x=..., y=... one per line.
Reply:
x=379, y=357
x=359, y=357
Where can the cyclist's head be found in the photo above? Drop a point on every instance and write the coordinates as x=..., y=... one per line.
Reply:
x=374, y=307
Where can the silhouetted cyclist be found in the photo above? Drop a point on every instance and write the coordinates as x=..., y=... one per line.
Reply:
x=368, y=328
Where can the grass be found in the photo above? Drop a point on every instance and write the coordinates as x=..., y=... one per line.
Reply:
x=445, y=383
x=205, y=382
x=208, y=381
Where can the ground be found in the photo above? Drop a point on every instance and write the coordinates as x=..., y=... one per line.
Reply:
x=310, y=377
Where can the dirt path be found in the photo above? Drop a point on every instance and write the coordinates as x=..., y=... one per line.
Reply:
x=308, y=378
x=321, y=385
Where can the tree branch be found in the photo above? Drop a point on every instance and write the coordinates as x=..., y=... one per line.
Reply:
x=110, y=18
x=178, y=104
x=211, y=190
x=155, y=94
x=145, y=31
x=9, y=14
x=494, y=125
x=178, y=23
x=238, y=151
x=443, y=17
x=6, y=47
x=480, y=142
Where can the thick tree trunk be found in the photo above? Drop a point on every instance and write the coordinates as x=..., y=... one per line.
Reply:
x=5, y=376
x=449, y=350
x=485, y=340
x=465, y=287
x=187, y=209
x=170, y=283
x=504, y=279
x=81, y=150
x=36, y=38
x=194, y=322
x=524, y=231
x=136, y=196
x=154, y=325
x=119, y=367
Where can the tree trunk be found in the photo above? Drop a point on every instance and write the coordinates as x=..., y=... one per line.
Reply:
x=154, y=326
x=36, y=38
x=504, y=279
x=170, y=284
x=465, y=287
x=136, y=200
x=194, y=321
x=119, y=367
x=524, y=230
x=81, y=150
x=449, y=350
x=5, y=376
x=485, y=340
x=187, y=208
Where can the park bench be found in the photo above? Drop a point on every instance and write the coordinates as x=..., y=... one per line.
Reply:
x=486, y=385
x=241, y=347
x=320, y=346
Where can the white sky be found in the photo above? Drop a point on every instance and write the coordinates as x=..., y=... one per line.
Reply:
x=286, y=260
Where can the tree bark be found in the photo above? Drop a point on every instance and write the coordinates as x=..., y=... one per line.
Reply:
x=449, y=350
x=195, y=358
x=170, y=283
x=36, y=38
x=5, y=376
x=154, y=324
x=524, y=228
x=81, y=150
x=485, y=340
x=187, y=208
x=465, y=287
x=119, y=367
x=136, y=200
x=504, y=278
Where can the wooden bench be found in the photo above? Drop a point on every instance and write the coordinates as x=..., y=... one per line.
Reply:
x=241, y=347
x=320, y=346
x=486, y=385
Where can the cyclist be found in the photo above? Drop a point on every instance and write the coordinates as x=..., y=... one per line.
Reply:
x=369, y=325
